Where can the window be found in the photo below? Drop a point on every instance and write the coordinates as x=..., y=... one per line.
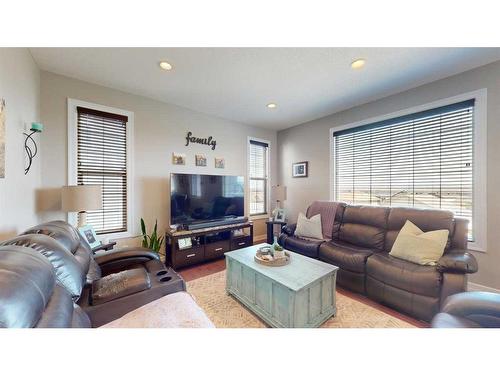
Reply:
x=424, y=159
x=99, y=154
x=258, y=159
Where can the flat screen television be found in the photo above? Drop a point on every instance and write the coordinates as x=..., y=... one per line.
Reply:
x=198, y=198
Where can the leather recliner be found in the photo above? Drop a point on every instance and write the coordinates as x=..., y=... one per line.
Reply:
x=361, y=241
x=469, y=310
x=30, y=295
x=108, y=285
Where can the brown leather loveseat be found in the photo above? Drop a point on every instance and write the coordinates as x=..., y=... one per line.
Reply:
x=108, y=285
x=360, y=244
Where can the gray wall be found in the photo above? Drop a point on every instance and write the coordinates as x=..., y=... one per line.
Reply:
x=159, y=130
x=20, y=87
x=310, y=141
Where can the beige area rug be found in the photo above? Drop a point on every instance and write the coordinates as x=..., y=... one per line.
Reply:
x=226, y=312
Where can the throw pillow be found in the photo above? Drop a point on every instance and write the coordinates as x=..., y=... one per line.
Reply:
x=309, y=228
x=414, y=245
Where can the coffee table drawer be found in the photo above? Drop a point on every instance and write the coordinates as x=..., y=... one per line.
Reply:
x=216, y=249
x=189, y=256
x=241, y=242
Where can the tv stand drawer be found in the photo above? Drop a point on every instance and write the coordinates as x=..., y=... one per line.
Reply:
x=189, y=256
x=216, y=249
x=241, y=242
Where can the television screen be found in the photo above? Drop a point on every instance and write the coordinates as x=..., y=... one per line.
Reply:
x=199, y=198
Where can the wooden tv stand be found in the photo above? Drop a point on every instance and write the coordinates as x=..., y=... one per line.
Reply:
x=206, y=244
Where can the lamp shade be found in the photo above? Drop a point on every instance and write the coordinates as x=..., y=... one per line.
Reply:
x=279, y=193
x=81, y=198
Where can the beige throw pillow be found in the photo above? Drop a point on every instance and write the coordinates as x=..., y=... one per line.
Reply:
x=419, y=247
x=309, y=228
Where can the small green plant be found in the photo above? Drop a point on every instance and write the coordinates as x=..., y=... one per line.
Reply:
x=152, y=241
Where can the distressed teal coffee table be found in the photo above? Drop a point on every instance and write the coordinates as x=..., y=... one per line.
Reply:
x=300, y=294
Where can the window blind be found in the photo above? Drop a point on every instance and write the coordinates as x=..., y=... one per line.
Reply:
x=258, y=175
x=102, y=160
x=422, y=160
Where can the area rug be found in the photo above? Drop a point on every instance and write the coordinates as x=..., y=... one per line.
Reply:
x=226, y=312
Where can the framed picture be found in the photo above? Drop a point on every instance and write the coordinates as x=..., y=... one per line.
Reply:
x=279, y=214
x=88, y=233
x=2, y=138
x=184, y=243
x=300, y=169
x=200, y=160
x=178, y=159
x=219, y=163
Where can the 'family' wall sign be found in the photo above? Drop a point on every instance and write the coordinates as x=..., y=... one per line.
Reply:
x=203, y=141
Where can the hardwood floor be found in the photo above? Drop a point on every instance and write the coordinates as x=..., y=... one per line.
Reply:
x=195, y=272
x=201, y=270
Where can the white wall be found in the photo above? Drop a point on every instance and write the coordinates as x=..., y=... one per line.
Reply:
x=20, y=87
x=310, y=141
x=159, y=130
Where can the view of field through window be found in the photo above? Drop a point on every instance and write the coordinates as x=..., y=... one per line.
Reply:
x=423, y=160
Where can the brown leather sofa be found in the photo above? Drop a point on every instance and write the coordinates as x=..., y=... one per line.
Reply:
x=106, y=286
x=31, y=296
x=361, y=241
x=469, y=310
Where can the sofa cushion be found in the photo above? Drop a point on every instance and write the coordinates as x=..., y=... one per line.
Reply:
x=419, y=247
x=401, y=274
x=427, y=220
x=309, y=228
x=68, y=270
x=444, y=320
x=344, y=255
x=302, y=246
x=121, y=284
x=27, y=281
x=364, y=226
x=72, y=241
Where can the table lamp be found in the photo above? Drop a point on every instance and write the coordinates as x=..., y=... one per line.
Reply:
x=279, y=193
x=82, y=198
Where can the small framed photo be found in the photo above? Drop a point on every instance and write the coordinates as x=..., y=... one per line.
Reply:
x=220, y=163
x=178, y=159
x=88, y=234
x=300, y=169
x=200, y=160
x=279, y=214
x=184, y=243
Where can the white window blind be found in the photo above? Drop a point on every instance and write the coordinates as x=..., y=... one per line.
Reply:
x=422, y=160
x=258, y=175
x=102, y=160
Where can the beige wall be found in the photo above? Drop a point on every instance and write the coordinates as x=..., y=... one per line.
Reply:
x=159, y=130
x=310, y=141
x=20, y=87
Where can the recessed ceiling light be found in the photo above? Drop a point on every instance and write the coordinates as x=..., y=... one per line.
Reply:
x=358, y=64
x=165, y=65
x=272, y=105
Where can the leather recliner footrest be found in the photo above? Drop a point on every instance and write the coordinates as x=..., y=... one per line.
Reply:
x=118, y=285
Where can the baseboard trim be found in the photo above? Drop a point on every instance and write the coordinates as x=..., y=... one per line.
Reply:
x=473, y=287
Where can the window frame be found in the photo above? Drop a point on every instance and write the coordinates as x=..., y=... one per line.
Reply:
x=268, y=179
x=72, y=161
x=479, y=215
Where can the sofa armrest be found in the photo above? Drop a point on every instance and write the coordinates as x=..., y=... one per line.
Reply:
x=457, y=261
x=480, y=307
x=132, y=253
x=289, y=229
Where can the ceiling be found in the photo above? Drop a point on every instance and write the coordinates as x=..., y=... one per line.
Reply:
x=237, y=83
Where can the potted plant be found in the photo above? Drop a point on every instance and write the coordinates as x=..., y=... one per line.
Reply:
x=151, y=241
